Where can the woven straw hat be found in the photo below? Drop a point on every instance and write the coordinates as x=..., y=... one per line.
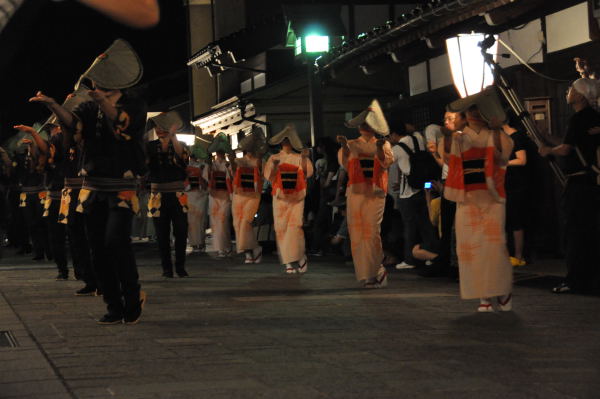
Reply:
x=255, y=142
x=165, y=121
x=119, y=67
x=487, y=101
x=289, y=132
x=372, y=116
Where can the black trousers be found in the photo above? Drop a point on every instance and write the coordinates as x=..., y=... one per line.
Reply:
x=171, y=213
x=32, y=212
x=322, y=225
x=581, y=204
x=391, y=229
x=417, y=227
x=18, y=234
x=80, y=248
x=448, y=213
x=109, y=230
x=57, y=234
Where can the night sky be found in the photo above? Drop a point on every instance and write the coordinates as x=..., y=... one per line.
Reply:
x=47, y=45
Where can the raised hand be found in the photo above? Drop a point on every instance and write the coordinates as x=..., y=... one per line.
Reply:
x=41, y=98
x=431, y=147
x=26, y=129
x=97, y=95
x=594, y=130
x=343, y=140
x=545, y=150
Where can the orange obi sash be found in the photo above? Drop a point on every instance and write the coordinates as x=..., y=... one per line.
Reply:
x=366, y=169
x=193, y=176
x=246, y=179
x=289, y=179
x=474, y=169
x=219, y=181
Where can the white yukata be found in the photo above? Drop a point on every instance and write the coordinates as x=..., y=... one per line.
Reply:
x=218, y=176
x=197, y=205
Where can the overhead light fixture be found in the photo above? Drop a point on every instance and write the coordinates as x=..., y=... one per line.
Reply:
x=470, y=72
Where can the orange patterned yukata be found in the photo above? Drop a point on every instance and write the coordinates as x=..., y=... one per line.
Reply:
x=289, y=191
x=247, y=186
x=476, y=183
x=365, y=198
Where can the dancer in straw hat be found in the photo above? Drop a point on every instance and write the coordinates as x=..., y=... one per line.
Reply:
x=247, y=187
x=367, y=159
x=197, y=193
x=476, y=169
x=287, y=171
x=111, y=127
x=167, y=204
x=218, y=176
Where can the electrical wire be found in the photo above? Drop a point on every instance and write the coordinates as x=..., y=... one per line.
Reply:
x=536, y=53
x=526, y=64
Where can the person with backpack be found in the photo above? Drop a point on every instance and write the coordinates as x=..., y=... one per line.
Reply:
x=367, y=159
x=417, y=168
x=581, y=199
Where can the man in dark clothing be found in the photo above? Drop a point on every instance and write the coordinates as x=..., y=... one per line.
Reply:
x=29, y=163
x=52, y=154
x=63, y=168
x=111, y=128
x=581, y=200
x=168, y=201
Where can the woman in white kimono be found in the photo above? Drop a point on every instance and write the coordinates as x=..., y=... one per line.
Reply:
x=247, y=187
x=287, y=171
x=218, y=175
x=197, y=203
x=476, y=171
x=367, y=159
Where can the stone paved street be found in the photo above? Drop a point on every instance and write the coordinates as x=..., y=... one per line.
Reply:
x=239, y=331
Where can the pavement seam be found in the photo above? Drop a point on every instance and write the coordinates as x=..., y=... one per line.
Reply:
x=41, y=349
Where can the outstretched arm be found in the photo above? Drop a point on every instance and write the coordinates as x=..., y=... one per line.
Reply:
x=65, y=116
x=135, y=13
x=37, y=139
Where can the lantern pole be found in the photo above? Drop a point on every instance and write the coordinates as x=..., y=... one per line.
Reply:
x=515, y=103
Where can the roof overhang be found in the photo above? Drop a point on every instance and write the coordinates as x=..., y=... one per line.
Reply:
x=432, y=25
x=235, y=48
x=231, y=114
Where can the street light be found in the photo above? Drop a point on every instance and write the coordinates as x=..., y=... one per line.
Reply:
x=311, y=44
x=470, y=72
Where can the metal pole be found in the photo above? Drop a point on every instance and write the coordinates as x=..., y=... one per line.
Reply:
x=315, y=99
x=517, y=106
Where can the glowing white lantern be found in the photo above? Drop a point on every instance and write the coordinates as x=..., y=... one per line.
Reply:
x=469, y=71
x=188, y=139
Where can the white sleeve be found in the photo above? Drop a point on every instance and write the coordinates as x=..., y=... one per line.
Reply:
x=402, y=159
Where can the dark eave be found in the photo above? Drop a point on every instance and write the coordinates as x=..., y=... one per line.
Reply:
x=438, y=20
x=247, y=42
